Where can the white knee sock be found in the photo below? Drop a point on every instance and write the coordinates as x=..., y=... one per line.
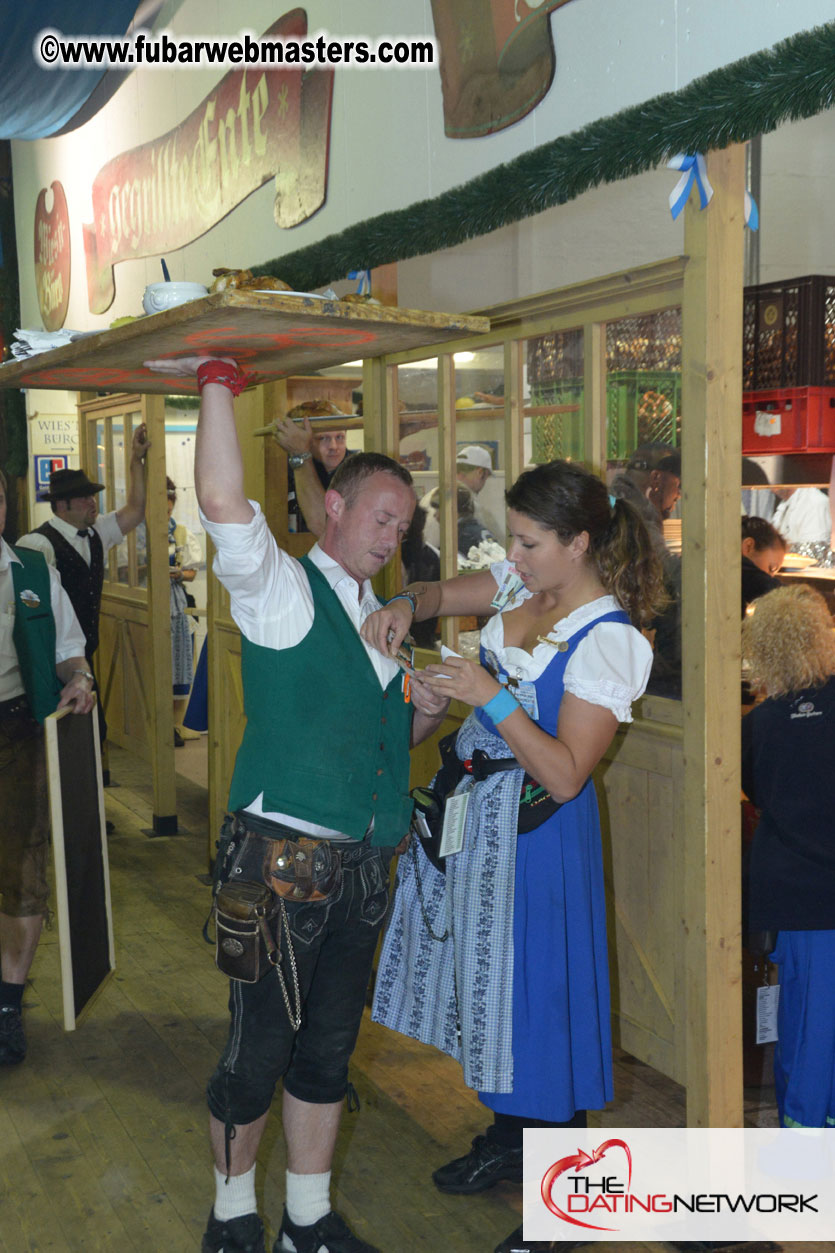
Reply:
x=308, y=1197
x=235, y=1198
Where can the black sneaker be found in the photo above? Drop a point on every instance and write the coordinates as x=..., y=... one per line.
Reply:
x=485, y=1165
x=516, y=1243
x=234, y=1235
x=330, y=1234
x=12, y=1037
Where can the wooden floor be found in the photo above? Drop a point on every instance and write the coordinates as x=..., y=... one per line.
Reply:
x=102, y=1131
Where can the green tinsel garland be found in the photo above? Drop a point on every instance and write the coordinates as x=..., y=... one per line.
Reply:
x=793, y=80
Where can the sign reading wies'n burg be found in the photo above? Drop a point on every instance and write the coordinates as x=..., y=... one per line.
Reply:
x=257, y=124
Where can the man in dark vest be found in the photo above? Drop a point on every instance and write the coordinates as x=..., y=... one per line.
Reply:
x=324, y=759
x=77, y=539
x=42, y=668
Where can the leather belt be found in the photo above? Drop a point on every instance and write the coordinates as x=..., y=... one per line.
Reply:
x=10, y=708
x=480, y=766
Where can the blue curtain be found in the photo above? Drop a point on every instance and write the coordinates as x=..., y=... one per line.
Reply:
x=34, y=102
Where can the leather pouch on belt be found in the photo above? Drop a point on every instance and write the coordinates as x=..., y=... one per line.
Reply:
x=303, y=869
x=244, y=939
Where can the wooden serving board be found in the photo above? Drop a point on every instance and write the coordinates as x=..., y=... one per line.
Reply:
x=270, y=334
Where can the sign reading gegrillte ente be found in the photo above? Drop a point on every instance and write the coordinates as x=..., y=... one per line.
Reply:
x=255, y=125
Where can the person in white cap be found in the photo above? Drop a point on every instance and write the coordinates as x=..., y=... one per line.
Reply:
x=473, y=467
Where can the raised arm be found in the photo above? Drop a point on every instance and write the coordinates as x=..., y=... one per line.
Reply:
x=133, y=510
x=218, y=463
x=298, y=441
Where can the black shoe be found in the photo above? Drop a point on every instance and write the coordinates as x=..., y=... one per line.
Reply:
x=109, y=827
x=516, y=1243
x=179, y=742
x=234, y=1235
x=485, y=1165
x=330, y=1234
x=12, y=1037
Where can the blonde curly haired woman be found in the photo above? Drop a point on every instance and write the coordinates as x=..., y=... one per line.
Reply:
x=788, y=747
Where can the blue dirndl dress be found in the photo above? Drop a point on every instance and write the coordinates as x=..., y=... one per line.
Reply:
x=519, y=989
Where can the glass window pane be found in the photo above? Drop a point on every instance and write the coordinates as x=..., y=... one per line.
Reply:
x=643, y=439
x=100, y=474
x=479, y=470
x=415, y=398
x=122, y=428
x=480, y=455
x=553, y=392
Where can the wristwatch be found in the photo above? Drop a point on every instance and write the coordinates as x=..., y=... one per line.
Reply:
x=298, y=459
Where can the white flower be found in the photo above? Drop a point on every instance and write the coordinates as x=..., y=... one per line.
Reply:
x=482, y=556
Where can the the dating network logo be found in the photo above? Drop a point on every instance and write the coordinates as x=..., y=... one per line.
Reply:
x=581, y=1193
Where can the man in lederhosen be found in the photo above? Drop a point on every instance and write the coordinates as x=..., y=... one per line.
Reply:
x=42, y=667
x=77, y=539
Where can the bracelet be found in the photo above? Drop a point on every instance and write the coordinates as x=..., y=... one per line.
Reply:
x=405, y=595
x=86, y=674
x=501, y=706
x=224, y=373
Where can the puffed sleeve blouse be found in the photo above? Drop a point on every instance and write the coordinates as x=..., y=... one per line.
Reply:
x=610, y=667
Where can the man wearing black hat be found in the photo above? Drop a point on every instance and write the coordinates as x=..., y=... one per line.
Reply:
x=76, y=540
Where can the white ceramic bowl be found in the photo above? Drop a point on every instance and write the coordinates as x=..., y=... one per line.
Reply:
x=159, y=296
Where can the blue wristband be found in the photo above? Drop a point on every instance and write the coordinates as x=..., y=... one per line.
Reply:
x=409, y=596
x=501, y=706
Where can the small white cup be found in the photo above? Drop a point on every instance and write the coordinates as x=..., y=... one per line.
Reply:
x=159, y=296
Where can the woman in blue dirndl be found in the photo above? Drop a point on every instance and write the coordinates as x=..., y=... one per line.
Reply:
x=501, y=961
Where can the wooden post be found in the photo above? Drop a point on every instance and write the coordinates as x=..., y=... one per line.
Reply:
x=711, y=465
x=448, y=484
x=161, y=729
x=384, y=283
x=514, y=420
x=594, y=394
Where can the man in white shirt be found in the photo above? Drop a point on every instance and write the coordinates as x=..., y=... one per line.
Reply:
x=31, y=686
x=77, y=539
x=803, y=516
x=324, y=757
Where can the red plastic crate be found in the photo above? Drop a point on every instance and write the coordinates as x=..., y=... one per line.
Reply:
x=806, y=417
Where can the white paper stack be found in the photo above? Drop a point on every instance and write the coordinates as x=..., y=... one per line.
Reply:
x=30, y=343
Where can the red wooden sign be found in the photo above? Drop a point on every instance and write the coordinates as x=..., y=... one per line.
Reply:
x=52, y=256
x=497, y=61
x=257, y=124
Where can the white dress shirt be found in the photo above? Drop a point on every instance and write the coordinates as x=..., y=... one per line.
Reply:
x=272, y=604
x=68, y=633
x=804, y=518
x=109, y=532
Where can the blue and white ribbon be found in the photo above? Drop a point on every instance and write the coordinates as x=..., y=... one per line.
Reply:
x=752, y=213
x=693, y=170
x=364, y=285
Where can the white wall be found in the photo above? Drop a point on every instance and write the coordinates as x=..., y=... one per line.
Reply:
x=388, y=148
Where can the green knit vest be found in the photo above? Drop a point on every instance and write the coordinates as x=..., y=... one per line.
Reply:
x=324, y=741
x=34, y=632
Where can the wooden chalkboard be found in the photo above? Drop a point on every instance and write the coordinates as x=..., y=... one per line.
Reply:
x=82, y=873
x=270, y=334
